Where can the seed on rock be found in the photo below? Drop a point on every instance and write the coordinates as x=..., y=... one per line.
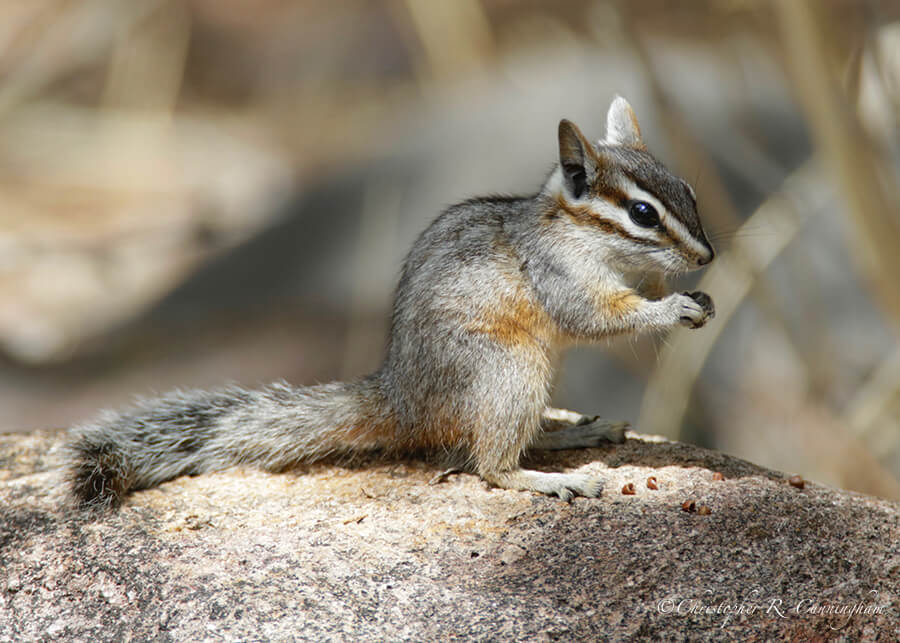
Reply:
x=689, y=506
x=718, y=476
x=703, y=510
x=628, y=489
x=797, y=481
x=651, y=483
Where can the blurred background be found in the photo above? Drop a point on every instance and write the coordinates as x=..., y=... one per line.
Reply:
x=209, y=191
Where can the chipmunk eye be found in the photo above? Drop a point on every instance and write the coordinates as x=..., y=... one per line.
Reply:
x=643, y=214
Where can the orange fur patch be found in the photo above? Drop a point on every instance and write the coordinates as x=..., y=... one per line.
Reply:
x=620, y=304
x=515, y=321
x=444, y=429
x=368, y=433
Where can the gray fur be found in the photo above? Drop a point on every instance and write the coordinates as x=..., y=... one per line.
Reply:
x=489, y=294
x=191, y=432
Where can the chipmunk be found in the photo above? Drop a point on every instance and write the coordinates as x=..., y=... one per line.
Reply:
x=489, y=295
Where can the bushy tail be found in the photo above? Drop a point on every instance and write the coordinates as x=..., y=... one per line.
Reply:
x=197, y=431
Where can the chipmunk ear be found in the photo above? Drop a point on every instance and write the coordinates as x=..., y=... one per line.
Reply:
x=622, y=126
x=575, y=157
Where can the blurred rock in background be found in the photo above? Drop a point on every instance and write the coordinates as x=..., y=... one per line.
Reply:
x=207, y=191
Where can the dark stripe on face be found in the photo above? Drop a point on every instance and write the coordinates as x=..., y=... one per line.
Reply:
x=612, y=194
x=618, y=198
x=690, y=222
x=668, y=205
x=583, y=215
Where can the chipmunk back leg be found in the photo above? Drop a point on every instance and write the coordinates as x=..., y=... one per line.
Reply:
x=497, y=452
x=562, y=429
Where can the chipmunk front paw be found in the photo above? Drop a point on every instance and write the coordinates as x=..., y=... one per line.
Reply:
x=697, y=308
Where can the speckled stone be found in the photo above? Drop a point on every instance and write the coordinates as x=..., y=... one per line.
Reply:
x=374, y=552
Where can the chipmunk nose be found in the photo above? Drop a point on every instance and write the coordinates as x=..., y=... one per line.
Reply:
x=705, y=259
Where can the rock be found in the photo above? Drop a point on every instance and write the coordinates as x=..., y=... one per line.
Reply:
x=373, y=552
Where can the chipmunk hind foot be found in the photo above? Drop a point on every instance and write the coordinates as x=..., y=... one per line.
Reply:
x=564, y=485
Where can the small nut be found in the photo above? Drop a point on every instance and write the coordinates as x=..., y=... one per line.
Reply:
x=628, y=489
x=718, y=476
x=704, y=510
x=689, y=506
x=797, y=481
x=651, y=483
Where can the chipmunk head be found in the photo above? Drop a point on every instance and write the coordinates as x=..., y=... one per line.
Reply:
x=644, y=216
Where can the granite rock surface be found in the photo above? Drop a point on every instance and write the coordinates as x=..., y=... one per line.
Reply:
x=378, y=551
